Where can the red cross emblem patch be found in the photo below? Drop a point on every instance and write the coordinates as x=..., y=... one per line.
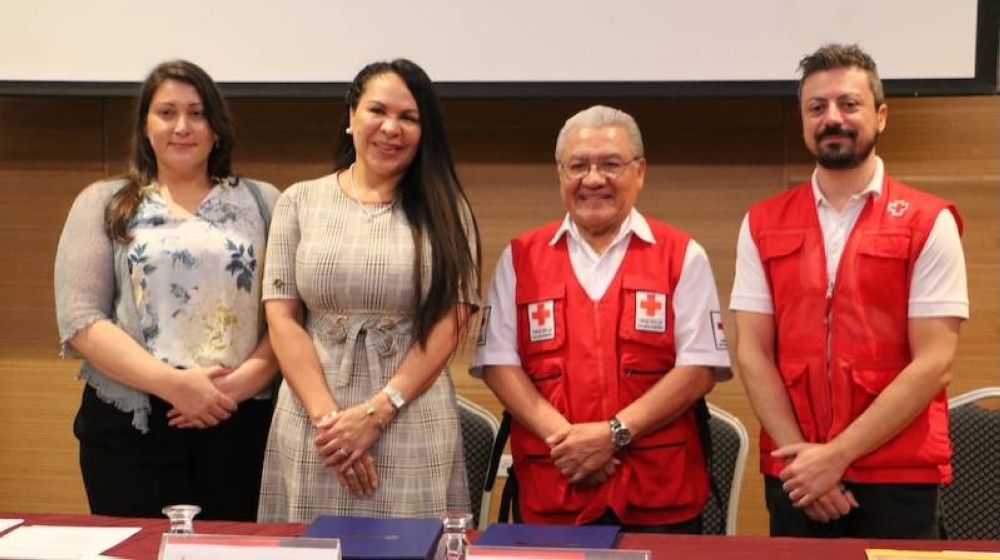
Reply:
x=717, y=333
x=897, y=208
x=541, y=320
x=650, y=311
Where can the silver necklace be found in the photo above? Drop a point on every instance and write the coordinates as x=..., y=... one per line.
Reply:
x=382, y=208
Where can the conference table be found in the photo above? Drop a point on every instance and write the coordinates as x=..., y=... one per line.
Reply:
x=145, y=544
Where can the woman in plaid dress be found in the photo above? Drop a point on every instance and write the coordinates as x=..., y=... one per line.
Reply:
x=371, y=276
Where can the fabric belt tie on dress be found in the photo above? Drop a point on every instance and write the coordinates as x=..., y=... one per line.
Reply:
x=379, y=342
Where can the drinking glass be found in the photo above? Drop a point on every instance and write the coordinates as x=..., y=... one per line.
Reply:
x=181, y=518
x=453, y=540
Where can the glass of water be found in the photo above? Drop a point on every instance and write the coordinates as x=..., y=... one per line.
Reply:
x=181, y=518
x=453, y=539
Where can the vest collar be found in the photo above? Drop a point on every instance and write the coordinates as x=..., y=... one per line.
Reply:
x=873, y=188
x=634, y=223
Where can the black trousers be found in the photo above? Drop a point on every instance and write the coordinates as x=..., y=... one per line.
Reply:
x=690, y=527
x=887, y=511
x=131, y=474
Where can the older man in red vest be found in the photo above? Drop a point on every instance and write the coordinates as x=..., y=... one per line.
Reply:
x=849, y=293
x=601, y=334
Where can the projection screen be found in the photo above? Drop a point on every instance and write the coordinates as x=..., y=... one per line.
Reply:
x=566, y=47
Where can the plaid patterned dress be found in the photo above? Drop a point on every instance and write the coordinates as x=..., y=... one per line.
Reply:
x=353, y=271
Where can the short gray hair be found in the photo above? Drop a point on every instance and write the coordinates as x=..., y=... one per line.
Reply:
x=600, y=116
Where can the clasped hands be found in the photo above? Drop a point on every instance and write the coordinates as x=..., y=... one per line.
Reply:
x=201, y=397
x=584, y=453
x=811, y=478
x=342, y=441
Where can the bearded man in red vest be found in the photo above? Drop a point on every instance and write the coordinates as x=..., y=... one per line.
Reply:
x=601, y=334
x=849, y=293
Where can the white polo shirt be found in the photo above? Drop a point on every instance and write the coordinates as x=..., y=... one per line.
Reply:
x=697, y=322
x=938, y=287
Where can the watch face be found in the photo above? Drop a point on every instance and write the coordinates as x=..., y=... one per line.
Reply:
x=395, y=397
x=620, y=435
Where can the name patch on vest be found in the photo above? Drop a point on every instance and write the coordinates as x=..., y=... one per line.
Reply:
x=717, y=333
x=650, y=312
x=483, y=325
x=541, y=320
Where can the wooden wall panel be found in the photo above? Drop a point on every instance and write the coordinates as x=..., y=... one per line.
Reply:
x=708, y=161
x=37, y=449
x=44, y=146
x=943, y=138
x=282, y=142
x=32, y=211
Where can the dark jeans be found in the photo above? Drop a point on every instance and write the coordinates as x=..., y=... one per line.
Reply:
x=691, y=526
x=131, y=474
x=887, y=511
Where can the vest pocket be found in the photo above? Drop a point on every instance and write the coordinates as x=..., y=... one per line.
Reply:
x=543, y=488
x=780, y=253
x=923, y=443
x=795, y=377
x=868, y=383
x=547, y=375
x=886, y=246
x=646, y=312
x=779, y=244
x=639, y=374
x=883, y=265
x=660, y=468
x=541, y=318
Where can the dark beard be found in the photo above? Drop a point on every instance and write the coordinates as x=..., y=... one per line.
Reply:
x=842, y=157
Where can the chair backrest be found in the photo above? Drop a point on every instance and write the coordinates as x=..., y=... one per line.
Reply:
x=970, y=505
x=479, y=430
x=729, y=458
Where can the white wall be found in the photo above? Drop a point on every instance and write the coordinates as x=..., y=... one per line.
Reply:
x=479, y=41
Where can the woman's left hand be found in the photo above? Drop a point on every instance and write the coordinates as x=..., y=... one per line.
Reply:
x=233, y=384
x=215, y=374
x=360, y=476
x=345, y=437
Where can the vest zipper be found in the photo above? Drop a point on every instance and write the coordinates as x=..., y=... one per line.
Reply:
x=823, y=423
x=600, y=357
x=612, y=489
x=830, y=294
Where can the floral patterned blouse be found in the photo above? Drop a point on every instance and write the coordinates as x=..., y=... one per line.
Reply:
x=173, y=289
x=196, y=279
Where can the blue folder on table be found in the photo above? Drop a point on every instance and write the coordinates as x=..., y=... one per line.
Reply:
x=599, y=537
x=366, y=538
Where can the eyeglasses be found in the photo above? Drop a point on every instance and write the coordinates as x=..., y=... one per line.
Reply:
x=609, y=168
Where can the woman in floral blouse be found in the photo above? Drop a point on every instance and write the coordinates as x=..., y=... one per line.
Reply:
x=158, y=289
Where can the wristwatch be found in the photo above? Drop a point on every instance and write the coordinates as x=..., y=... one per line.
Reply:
x=620, y=434
x=395, y=397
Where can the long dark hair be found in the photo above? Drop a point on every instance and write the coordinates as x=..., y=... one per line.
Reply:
x=142, y=161
x=431, y=196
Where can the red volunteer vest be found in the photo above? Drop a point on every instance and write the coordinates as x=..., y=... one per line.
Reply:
x=591, y=359
x=864, y=321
